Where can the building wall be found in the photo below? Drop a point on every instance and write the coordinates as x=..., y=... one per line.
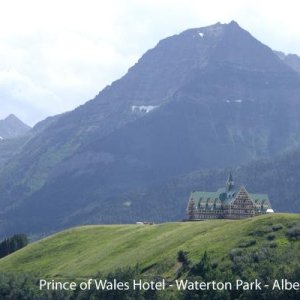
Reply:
x=237, y=210
x=242, y=206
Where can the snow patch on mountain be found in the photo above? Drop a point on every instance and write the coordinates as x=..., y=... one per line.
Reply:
x=201, y=34
x=236, y=101
x=143, y=108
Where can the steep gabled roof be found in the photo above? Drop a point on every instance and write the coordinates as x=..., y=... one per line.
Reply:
x=259, y=197
x=242, y=191
x=201, y=195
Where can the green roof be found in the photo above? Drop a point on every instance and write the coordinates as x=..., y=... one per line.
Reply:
x=197, y=195
x=259, y=197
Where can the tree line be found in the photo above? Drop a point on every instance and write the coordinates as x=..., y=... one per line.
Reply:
x=12, y=244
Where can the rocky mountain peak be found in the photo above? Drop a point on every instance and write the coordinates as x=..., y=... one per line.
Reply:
x=12, y=118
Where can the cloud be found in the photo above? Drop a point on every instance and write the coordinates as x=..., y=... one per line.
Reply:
x=55, y=55
x=20, y=93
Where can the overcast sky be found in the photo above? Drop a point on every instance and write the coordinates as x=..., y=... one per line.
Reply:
x=57, y=54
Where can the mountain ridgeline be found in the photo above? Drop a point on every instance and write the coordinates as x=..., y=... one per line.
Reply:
x=211, y=97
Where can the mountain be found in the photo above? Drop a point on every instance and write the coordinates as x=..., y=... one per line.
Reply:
x=291, y=60
x=210, y=97
x=12, y=127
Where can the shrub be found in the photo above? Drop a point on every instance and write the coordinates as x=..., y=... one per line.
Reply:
x=214, y=264
x=277, y=227
x=247, y=243
x=235, y=252
x=273, y=244
x=182, y=257
x=294, y=232
x=271, y=236
x=261, y=231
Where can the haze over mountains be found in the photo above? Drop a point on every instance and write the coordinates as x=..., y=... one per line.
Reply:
x=212, y=97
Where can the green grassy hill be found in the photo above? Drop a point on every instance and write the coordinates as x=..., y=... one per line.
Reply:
x=82, y=252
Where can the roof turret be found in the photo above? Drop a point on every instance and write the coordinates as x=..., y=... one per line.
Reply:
x=230, y=183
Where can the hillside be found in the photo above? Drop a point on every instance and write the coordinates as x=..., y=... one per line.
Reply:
x=10, y=147
x=82, y=252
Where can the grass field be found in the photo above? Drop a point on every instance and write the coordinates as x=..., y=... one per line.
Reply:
x=83, y=251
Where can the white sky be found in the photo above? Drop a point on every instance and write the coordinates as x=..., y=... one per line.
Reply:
x=57, y=54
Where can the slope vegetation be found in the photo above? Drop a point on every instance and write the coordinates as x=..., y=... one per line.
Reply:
x=84, y=251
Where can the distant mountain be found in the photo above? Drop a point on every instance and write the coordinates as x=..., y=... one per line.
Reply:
x=12, y=127
x=210, y=97
x=291, y=60
x=13, y=134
